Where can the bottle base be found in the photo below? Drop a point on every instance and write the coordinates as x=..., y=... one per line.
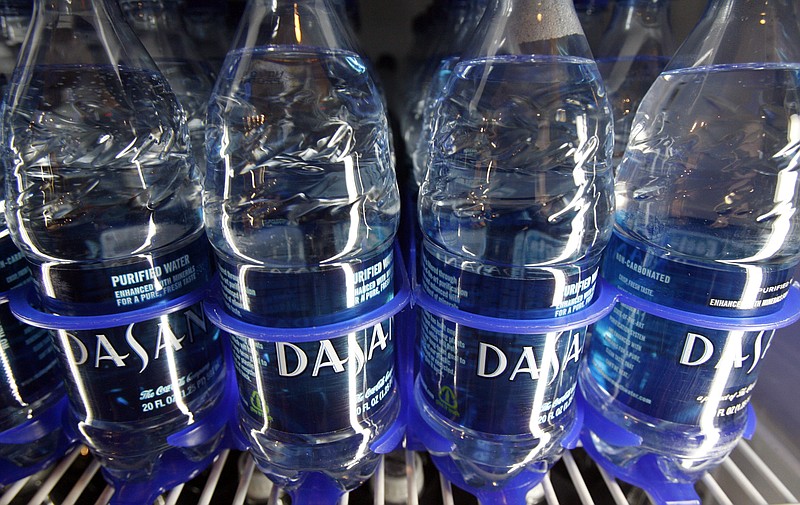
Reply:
x=491, y=460
x=346, y=457
x=682, y=453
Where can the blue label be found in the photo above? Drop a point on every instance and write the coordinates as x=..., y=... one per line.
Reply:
x=28, y=364
x=489, y=290
x=306, y=296
x=495, y=382
x=147, y=369
x=735, y=291
x=316, y=387
x=141, y=281
x=676, y=372
x=14, y=270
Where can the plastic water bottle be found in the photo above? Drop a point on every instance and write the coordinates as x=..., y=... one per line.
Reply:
x=302, y=206
x=704, y=247
x=159, y=26
x=105, y=203
x=674, y=391
x=435, y=84
x=632, y=53
x=515, y=211
x=306, y=201
x=706, y=192
x=103, y=194
x=448, y=37
x=519, y=189
x=30, y=399
x=30, y=385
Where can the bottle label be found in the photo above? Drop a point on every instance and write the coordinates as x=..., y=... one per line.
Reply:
x=305, y=296
x=28, y=363
x=316, y=387
x=141, y=282
x=496, y=382
x=750, y=291
x=485, y=289
x=151, y=368
x=14, y=270
x=673, y=371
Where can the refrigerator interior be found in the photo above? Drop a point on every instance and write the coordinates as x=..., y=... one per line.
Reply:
x=765, y=470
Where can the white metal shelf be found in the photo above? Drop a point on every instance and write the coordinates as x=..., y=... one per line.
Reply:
x=745, y=478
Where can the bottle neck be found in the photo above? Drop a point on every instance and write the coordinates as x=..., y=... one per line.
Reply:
x=313, y=23
x=530, y=27
x=742, y=32
x=82, y=32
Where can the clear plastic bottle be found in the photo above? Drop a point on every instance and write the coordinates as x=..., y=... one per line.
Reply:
x=707, y=190
x=455, y=18
x=302, y=206
x=30, y=388
x=681, y=387
x=159, y=26
x=105, y=203
x=101, y=185
x=515, y=211
x=632, y=53
x=309, y=195
x=465, y=29
x=705, y=243
x=30, y=384
x=518, y=193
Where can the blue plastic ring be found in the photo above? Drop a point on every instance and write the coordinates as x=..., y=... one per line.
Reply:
x=22, y=302
x=788, y=314
x=216, y=314
x=602, y=306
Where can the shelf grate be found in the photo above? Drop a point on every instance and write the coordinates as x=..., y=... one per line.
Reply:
x=233, y=478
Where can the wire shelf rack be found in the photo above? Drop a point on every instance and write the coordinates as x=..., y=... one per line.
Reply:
x=409, y=478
